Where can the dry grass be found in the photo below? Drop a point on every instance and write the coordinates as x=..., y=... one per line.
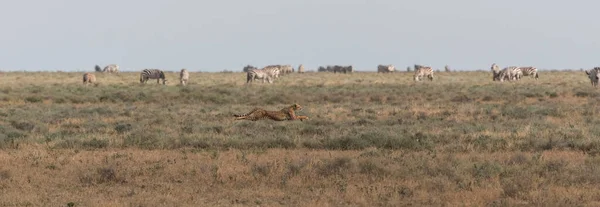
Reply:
x=372, y=140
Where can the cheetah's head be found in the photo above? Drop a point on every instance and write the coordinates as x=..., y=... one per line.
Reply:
x=297, y=107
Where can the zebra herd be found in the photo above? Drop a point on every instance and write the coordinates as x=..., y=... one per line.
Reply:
x=271, y=72
x=336, y=69
x=145, y=75
x=513, y=73
x=112, y=68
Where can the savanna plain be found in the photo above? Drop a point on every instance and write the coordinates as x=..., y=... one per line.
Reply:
x=371, y=140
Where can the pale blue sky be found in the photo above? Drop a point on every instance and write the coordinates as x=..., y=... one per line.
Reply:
x=205, y=35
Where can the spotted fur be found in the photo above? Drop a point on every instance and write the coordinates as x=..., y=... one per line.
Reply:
x=287, y=113
x=89, y=78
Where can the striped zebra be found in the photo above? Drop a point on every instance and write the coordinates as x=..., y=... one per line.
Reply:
x=286, y=69
x=510, y=73
x=421, y=71
x=325, y=69
x=301, y=68
x=153, y=74
x=112, y=68
x=385, y=68
x=184, y=75
x=594, y=76
x=247, y=68
x=342, y=69
x=495, y=72
x=89, y=78
x=447, y=68
x=268, y=73
x=530, y=71
x=283, y=69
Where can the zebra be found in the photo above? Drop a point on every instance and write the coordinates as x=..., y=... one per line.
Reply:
x=98, y=68
x=594, y=76
x=510, y=73
x=495, y=72
x=153, y=74
x=247, y=68
x=530, y=71
x=301, y=68
x=342, y=69
x=184, y=76
x=112, y=68
x=267, y=73
x=286, y=69
x=325, y=69
x=385, y=68
x=283, y=69
x=274, y=71
x=421, y=71
x=89, y=78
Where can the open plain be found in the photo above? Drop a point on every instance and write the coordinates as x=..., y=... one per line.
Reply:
x=371, y=140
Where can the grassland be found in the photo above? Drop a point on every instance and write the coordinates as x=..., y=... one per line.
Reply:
x=372, y=140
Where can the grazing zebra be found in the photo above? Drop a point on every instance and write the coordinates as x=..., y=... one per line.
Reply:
x=325, y=69
x=89, y=78
x=283, y=69
x=153, y=74
x=301, y=68
x=594, y=76
x=530, y=71
x=385, y=68
x=248, y=67
x=421, y=71
x=184, y=76
x=268, y=73
x=342, y=69
x=112, y=68
x=495, y=72
x=510, y=73
x=286, y=69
